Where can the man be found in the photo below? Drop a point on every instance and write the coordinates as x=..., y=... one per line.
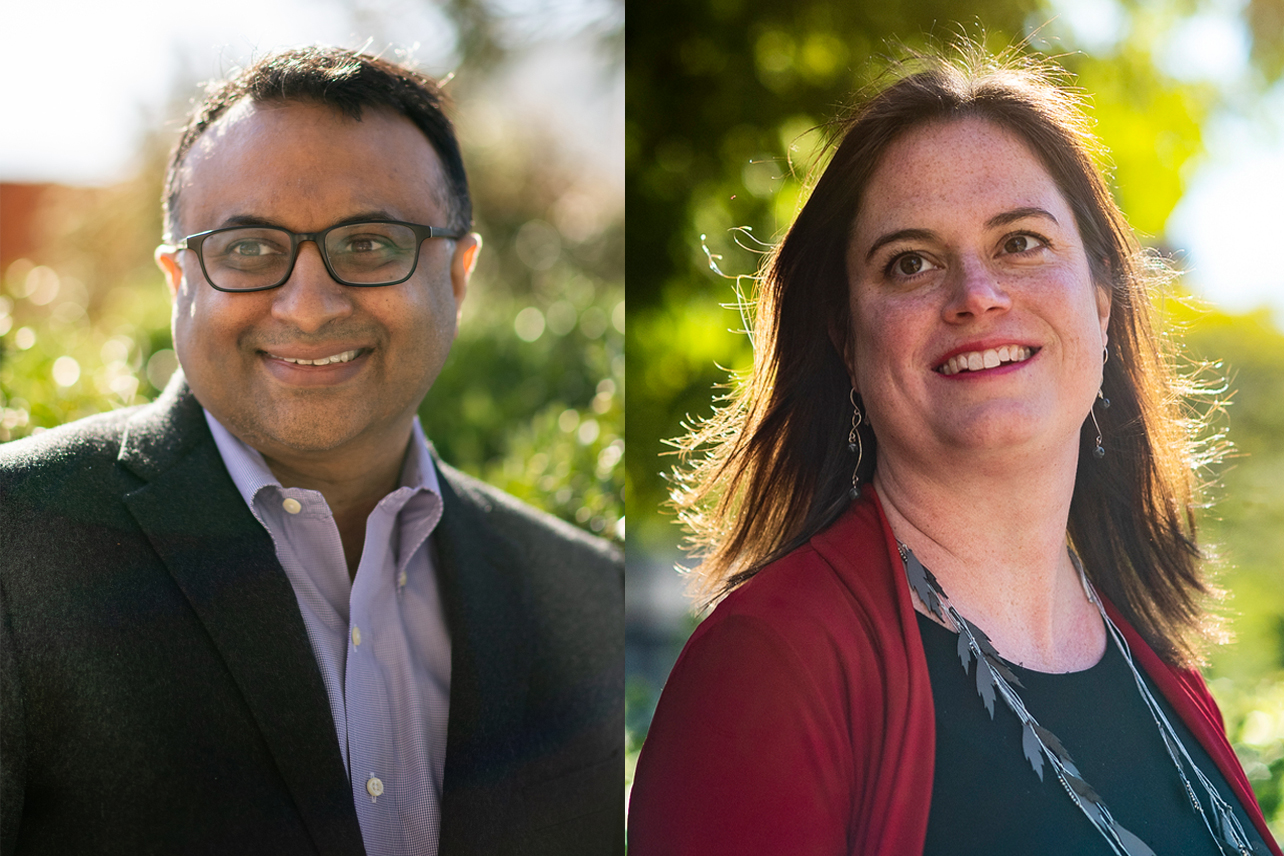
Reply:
x=258, y=615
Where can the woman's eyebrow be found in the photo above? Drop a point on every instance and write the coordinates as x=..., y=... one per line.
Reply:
x=1018, y=214
x=997, y=220
x=902, y=234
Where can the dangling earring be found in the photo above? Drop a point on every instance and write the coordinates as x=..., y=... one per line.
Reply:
x=1100, y=451
x=854, y=444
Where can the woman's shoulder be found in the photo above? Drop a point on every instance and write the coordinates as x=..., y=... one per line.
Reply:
x=795, y=677
x=820, y=610
x=843, y=572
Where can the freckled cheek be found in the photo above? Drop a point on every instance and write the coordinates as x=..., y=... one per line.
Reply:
x=887, y=332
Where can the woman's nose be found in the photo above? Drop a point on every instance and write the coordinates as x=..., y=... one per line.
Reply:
x=975, y=291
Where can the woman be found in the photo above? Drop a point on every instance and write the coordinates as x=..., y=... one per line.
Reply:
x=955, y=371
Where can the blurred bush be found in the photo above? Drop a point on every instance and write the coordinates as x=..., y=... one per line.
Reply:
x=1254, y=717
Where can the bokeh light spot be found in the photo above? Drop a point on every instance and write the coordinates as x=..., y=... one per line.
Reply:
x=66, y=371
x=529, y=324
x=162, y=364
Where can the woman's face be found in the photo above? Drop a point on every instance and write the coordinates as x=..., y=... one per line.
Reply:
x=977, y=326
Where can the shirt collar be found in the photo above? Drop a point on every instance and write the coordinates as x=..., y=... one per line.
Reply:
x=250, y=473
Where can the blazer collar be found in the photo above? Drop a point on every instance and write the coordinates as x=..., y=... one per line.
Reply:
x=487, y=608
x=226, y=566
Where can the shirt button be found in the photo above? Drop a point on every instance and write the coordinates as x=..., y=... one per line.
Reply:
x=292, y=505
x=374, y=786
x=401, y=578
x=356, y=640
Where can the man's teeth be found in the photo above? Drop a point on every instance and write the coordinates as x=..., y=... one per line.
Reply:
x=977, y=360
x=346, y=356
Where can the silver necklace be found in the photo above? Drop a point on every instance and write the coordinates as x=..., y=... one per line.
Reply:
x=994, y=677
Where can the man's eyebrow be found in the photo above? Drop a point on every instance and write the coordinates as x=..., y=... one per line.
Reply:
x=994, y=222
x=254, y=220
x=244, y=220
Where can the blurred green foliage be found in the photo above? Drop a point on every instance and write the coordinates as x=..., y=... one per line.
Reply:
x=1242, y=533
x=726, y=102
x=532, y=396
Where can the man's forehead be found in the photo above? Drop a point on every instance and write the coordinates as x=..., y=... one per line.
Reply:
x=303, y=144
x=248, y=119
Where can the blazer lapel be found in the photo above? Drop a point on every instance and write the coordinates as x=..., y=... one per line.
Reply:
x=484, y=597
x=226, y=565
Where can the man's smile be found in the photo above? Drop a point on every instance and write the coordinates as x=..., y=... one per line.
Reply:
x=341, y=357
x=316, y=366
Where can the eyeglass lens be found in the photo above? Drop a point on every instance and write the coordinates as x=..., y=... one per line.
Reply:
x=359, y=254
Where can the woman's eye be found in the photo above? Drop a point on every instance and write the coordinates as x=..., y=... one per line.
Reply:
x=910, y=264
x=1021, y=243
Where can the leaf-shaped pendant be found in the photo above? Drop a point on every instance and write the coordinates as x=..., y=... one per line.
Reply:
x=1032, y=748
x=1050, y=740
x=1133, y=845
x=965, y=652
x=1094, y=814
x=982, y=641
x=1082, y=788
x=985, y=684
x=1173, y=752
x=1228, y=828
x=919, y=581
x=999, y=666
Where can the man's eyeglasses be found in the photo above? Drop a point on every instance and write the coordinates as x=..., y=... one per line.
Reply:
x=256, y=258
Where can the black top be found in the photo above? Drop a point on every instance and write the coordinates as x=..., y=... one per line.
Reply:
x=986, y=798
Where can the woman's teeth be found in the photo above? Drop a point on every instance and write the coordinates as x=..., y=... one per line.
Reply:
x=974, y=361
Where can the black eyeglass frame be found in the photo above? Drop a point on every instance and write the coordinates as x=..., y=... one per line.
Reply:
x=422, y=233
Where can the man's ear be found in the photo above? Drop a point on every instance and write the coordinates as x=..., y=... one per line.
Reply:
x=461, y=267
x=167, y=260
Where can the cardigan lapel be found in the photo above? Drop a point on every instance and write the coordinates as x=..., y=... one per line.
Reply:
x=1186, y=692
x=226, y=566
x=485, y=603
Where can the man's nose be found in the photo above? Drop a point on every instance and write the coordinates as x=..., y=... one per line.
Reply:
x=311, y=298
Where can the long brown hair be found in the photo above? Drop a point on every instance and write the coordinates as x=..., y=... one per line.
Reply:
x=771, y=467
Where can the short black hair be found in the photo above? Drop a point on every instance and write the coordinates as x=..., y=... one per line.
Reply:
x=347, y=81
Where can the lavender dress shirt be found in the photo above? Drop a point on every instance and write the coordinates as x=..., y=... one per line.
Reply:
x=380, y=640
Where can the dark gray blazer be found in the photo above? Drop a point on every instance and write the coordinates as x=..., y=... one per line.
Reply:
x=160, y=694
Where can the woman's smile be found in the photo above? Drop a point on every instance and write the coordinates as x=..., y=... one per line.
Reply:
x=976, y=361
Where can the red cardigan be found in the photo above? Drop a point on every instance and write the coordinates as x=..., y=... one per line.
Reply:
x=799, y=717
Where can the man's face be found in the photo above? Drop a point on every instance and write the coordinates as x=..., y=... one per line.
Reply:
x=307, y=167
